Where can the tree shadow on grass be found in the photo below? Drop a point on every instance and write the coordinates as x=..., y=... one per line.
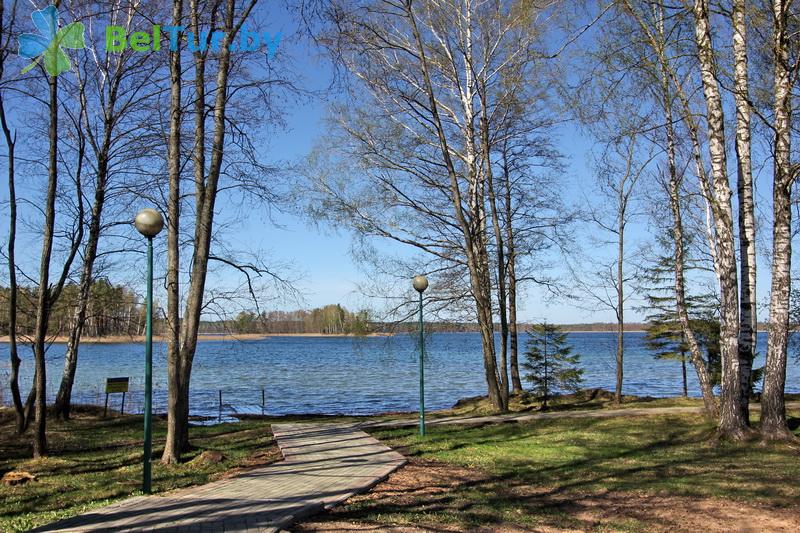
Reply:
x=539, y=494
x=666, y=455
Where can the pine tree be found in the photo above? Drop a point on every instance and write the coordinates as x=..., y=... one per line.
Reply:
x=665, y=337
x=549, y=363
x=664, y=334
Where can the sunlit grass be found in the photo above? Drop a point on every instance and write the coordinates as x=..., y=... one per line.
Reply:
x=533, y=468
x=95, y=461
x=589, y=399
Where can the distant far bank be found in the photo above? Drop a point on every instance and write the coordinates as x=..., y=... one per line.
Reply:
x=125, y=339
x=601, y=327
x=432, y=328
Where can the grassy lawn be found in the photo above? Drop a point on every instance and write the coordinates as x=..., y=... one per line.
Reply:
x=643, y=473
x=585, y=400
x=573, y=473
x=95, y=461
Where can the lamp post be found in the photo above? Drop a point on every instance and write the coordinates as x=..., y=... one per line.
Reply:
x=149, y=223
x=420, y=284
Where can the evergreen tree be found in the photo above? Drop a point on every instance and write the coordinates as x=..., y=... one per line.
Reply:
x=665, y=337
x=663, y=334
x=549, y=363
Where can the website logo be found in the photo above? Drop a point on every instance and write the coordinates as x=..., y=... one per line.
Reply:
x=118, y=40
x=48, y=45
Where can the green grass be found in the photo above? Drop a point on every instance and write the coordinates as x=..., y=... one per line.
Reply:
x=526, y=473
x=95, y=461
x=533, y=470
x=585, y=400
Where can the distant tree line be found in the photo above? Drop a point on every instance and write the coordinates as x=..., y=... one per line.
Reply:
x=111, y=310
x=335, y=319
x=330, y=320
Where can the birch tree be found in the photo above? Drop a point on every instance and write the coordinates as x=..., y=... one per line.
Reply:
x=647, y=54
x=733, y=423
x=773, y=408
x=425, y=128
x=747, y=232
x=667, y=96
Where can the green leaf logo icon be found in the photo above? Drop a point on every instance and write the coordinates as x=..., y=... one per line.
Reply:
x=48, y=44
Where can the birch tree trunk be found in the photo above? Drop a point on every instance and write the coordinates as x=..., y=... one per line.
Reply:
x=511, y=258
x=701, y=369
x=732, y=423
x=475, y=244
x=674, y=191
x=747, y=232
x=773, y=408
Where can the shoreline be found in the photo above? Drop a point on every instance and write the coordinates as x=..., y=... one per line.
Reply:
x=139, y=339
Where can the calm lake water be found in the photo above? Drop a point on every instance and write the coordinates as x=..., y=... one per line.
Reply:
x=342, y=375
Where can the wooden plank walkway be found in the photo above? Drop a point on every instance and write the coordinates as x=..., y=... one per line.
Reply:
x=324, y=464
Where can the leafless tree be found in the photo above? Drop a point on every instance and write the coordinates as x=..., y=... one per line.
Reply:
x=748, y=323
x=433, y=110
x=47, y=292
x=7, y=20
x=224, y=99
x=618, y=171
x=113, y=91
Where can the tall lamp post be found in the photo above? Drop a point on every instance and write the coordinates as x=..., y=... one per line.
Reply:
x=149, y=223
x=420, y=284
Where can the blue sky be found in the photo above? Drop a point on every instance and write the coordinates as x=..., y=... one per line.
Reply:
x=330, y=275
x=320, y=261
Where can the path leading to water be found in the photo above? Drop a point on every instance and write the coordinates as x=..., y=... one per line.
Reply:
x=324, y=465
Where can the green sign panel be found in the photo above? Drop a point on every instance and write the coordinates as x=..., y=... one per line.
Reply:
x=116, y=385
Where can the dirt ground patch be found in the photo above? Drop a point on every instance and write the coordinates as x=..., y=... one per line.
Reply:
x=424, y=496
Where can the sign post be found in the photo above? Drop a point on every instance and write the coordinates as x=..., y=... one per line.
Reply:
x=115, y=386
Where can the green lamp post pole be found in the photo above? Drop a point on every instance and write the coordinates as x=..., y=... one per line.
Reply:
x=420, y=284
x=149, y=223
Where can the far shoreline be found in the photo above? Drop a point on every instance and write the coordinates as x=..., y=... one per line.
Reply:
x=139, y=339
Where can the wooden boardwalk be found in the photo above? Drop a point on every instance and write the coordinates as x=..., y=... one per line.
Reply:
x=324, y=464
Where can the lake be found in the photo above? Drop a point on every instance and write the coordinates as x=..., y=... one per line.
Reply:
x=342, y=375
